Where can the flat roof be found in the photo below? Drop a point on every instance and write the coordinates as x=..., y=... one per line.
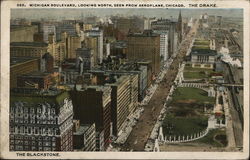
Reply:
x=34, y=96
x=35, y=74
x=82, y=129
x=20, y=60
x=206, y=52
x=19, y=27
x=119, y=80
x=29, y=44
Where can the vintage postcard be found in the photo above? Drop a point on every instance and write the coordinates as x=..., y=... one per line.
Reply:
x=124, y=79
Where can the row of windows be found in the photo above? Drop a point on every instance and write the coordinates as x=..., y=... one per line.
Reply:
x=33, y=121
x=33, y=143
x=40, y=138
x=34, y=130
x=30, y=148
x=21, y=109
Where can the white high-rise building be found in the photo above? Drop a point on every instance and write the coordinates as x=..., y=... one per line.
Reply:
x=48, y=29
x=163, y=43
x=96, y=32
x=164, y=46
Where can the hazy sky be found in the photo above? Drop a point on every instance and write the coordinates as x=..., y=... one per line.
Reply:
x=155, y=12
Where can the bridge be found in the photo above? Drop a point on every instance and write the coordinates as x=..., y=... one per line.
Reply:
x=231, y=84
x=213, y=84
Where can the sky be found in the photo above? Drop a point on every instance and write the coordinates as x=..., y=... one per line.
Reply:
x=100, y=12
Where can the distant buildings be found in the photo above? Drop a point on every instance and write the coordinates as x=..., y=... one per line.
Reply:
x=22, y=33
x=48, y=29
x=70, y=27
x=163, y=44
x=35, y=79
x=118, y=48
x=47, y=63
x=40, y=121
x=95, y=41
x=129, y=24
x=84, y=59
x=65, y=48
x=141, y=71
x=87, y=27
x=174, y=29
x=73, y=43
x=219, y=20
x=147, y=23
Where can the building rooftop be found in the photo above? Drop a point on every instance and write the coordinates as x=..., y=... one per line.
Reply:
x=119, y=80
x=119, y=44
x=165, y=21
x=36, y=74
x=20, y=60
x=145, y=33
x=83, y=49
x=35, y=96
x=82, y=129
x=195, y=47
x=29, y=44
x=18, y=27
x=204, y=52
x=95, y=87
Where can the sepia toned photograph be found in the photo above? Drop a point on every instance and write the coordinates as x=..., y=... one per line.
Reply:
x=148, y=79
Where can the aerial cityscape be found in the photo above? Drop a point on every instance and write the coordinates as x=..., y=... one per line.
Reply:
x=102, y=80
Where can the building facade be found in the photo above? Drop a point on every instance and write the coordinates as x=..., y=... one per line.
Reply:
x=19, y=33
x=35, y=79
x=171, y=26
x=73, y=43
x=203, y=58
x=84, y=59
x=84, y=138
x=28, y=49
x=40, y=121
x=145, y=46
x=93, y=105
x=120, y=100
x=21, y=65
x=48, y=29
x=134, y=92
x=97, y=35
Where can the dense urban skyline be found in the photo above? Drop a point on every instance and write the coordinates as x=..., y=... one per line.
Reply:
x=102, y=12
x=128, y=84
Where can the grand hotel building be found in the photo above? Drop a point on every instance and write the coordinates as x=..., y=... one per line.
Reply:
x=40, y=121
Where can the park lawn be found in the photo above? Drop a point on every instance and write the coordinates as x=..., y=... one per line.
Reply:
x=197, y=73
x=215, y=137
x=189, y=68
x=195, y=95
x=194, y=75
x=195, y=47
x=183, y=125
x=201, y=43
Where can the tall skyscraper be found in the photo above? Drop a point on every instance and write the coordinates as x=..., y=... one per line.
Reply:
x=180, y=28
x=97, y=34
x=145, y=46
